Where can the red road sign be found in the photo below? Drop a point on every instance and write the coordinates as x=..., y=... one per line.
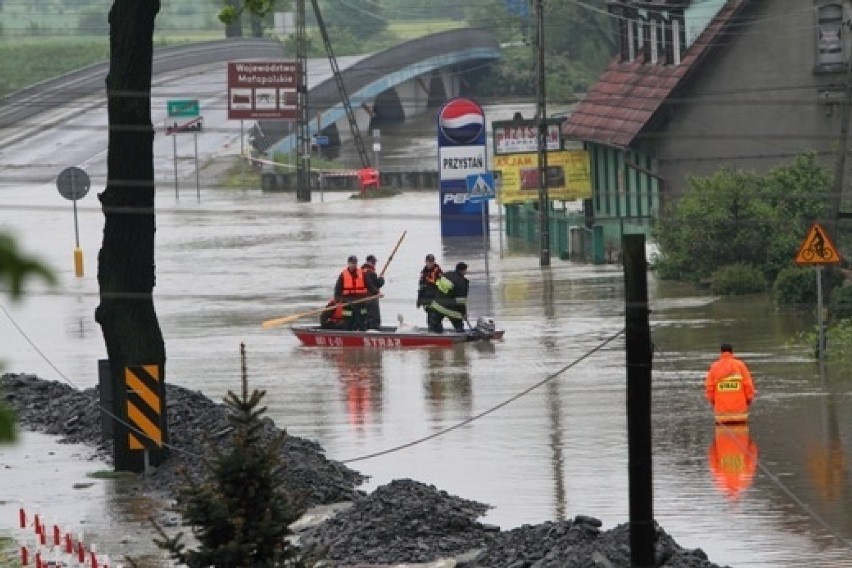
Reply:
x=174, y=126
x=262, y=89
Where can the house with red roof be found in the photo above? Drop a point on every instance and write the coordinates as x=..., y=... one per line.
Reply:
x=703, y=84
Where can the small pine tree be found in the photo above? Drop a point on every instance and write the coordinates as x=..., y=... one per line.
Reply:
x=241, y=514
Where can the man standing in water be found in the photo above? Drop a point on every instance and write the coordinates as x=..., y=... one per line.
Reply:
x=729, y=387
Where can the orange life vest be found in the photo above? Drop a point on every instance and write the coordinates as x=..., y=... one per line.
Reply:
x=353, y=284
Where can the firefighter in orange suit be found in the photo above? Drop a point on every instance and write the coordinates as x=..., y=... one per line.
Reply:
x=729, y=387
x=732, y=458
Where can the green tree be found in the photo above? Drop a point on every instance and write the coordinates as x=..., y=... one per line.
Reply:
x=15, y=269
x=579, y=40
x=738, y=217
x=361, y=20
x=240, y=515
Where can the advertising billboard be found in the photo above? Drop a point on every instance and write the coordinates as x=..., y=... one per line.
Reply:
x=568, y=176
x=461, y=152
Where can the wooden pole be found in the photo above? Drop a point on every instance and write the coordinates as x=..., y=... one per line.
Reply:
x=393, y=252
x=638, y=339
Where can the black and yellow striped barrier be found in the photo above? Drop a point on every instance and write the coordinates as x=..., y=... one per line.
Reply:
x=144, y=407
x=139, y=427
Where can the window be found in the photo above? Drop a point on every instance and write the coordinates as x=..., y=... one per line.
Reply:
x=654, y=41
x=830, y=35
x=676, y=42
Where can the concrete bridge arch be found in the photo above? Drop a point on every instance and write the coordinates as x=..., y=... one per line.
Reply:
x=390, y=85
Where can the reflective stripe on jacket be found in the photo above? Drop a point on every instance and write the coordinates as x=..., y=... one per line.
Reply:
x=729, y=388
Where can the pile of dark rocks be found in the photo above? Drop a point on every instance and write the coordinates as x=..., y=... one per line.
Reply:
x=402, y=522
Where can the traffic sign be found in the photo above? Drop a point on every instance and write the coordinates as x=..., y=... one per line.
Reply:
x=321, y=140
x=263, y=89
x=480, y=187
x=73, y=183
x=176, y=127
x=183, y=107
x=817, y=248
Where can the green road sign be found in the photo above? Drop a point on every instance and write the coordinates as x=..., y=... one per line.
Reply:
x=183, y=107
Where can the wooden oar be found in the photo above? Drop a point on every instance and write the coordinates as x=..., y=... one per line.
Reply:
x=393, y=252
x=288, y=319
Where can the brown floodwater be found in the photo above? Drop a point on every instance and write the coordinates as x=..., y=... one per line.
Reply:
x=777, y=495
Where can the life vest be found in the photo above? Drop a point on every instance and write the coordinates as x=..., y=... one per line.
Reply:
x=444, y=285
x=332, y=318
x=353, y=285
x=430, y=276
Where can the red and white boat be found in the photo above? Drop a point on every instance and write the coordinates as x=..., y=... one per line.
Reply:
x=388, y=337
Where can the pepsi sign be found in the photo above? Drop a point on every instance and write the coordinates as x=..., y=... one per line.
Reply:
x=461, y=122
x=461, y=152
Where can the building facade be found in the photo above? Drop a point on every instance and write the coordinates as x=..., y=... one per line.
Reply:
x=700, y=85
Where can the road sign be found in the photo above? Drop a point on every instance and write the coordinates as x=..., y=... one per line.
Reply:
x=73, y=183
x=183, y=107
x=321, y=140
x=177, y=126
x=263, y=89
x=480, y=187
x=817, y=248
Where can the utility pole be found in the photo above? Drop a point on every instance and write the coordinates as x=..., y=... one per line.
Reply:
x=541, y=114
x=832, y=225
x=303, y=139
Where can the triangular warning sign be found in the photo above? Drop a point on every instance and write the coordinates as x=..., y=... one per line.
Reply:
x=817, y=248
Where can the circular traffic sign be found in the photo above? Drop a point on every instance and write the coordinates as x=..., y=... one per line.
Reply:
x=73, y=183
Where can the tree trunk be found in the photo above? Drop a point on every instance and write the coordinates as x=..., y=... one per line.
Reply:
x=126, y=260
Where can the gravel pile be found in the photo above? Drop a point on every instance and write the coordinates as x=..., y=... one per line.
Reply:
x=195, y=422
x=402, y=522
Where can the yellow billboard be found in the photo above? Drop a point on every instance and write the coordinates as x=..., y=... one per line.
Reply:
x=568, y=176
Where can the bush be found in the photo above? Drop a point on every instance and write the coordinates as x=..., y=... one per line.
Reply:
x=736, y=279
x=795, y=286
x=841, y=302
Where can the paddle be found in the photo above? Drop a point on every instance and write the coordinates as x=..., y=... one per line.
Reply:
x=393, y=252
x=287, y=319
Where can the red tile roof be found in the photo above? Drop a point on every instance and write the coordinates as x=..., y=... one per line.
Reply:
x=628, y=93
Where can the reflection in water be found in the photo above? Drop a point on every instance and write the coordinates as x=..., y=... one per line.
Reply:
x=360, y=376
x=826, y=462
x=557, y=460
x=448, y=382
x=733, y=459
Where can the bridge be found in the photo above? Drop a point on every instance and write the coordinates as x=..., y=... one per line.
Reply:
x=390, y=85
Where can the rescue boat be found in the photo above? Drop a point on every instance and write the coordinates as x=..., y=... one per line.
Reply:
x=389, y=337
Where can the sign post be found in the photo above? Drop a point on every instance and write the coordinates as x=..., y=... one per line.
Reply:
x=817, y=250
x=73, y=184
x=184, y=115
x=481, y=189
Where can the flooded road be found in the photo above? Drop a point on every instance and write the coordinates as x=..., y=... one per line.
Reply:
x=534, y=425
x=239, y=257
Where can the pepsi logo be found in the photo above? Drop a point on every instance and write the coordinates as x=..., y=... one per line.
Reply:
x=461, y=120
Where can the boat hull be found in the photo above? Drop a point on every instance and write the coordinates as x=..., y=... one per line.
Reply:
x=386, y=337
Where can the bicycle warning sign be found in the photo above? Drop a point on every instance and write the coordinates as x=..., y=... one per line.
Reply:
x=817, y=248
